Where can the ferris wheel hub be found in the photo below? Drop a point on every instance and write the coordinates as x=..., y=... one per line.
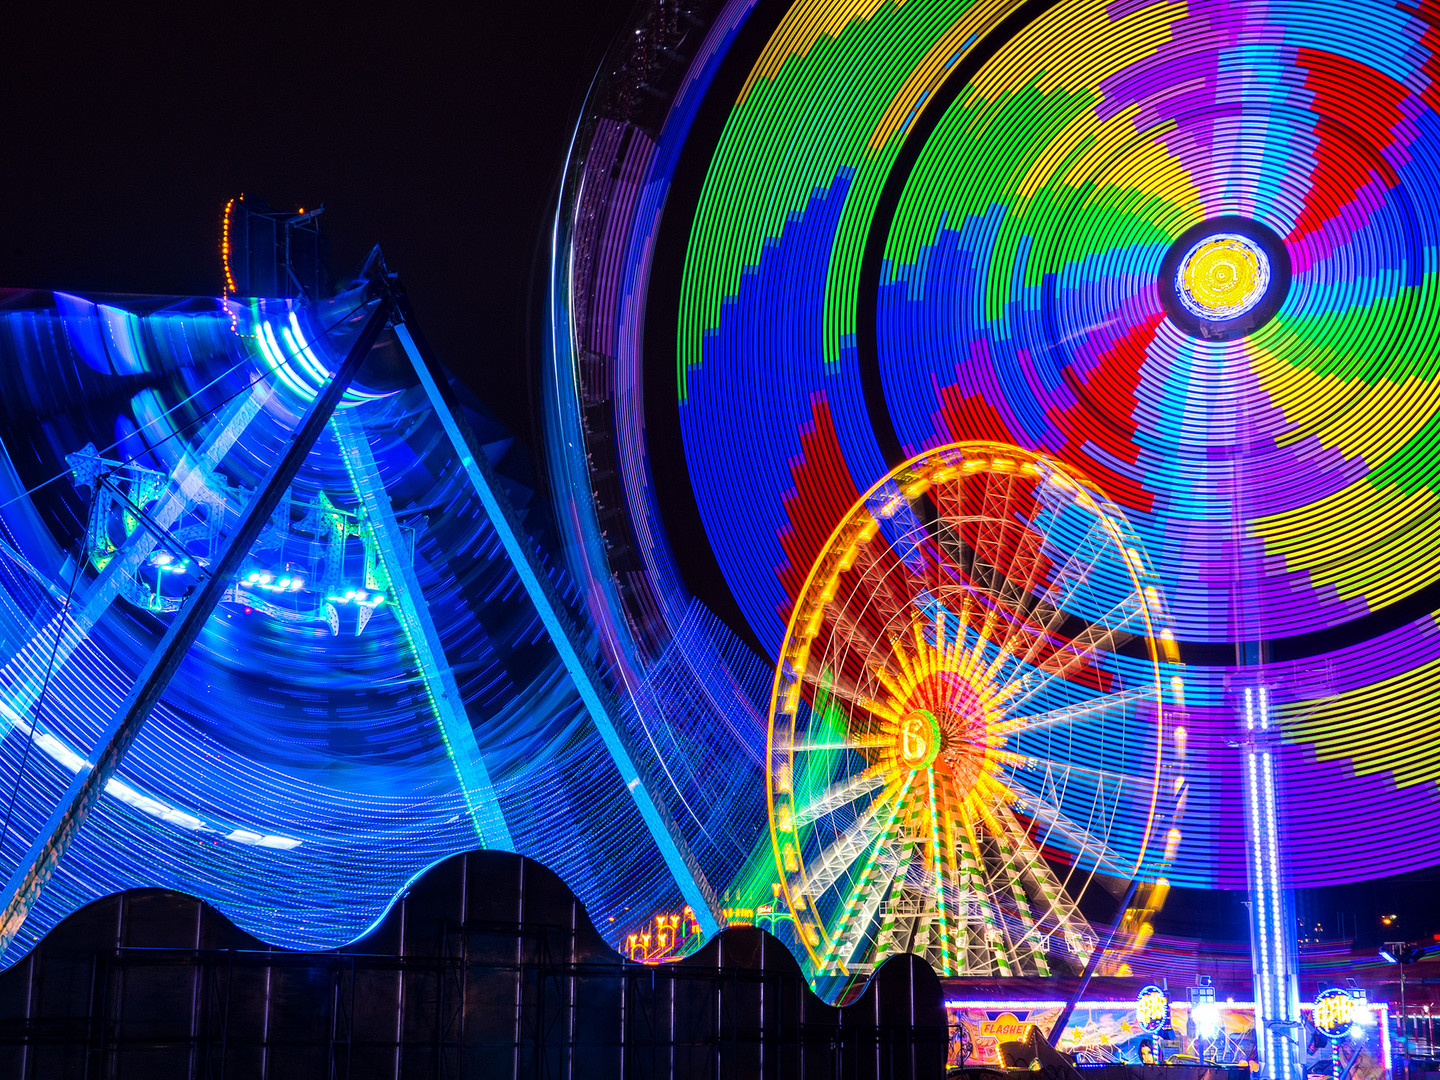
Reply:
x=919, y=741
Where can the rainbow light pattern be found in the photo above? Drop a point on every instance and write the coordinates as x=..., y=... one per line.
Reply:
x=924, y=224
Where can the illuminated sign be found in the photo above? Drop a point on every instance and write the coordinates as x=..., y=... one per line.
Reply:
x=1334, y=1013
x=919, y=739
x=1006, y=1027
x=1152, y=1008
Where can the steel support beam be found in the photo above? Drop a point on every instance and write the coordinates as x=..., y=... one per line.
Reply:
x=45, y=852
x=566, y=638
x=186, y=483
x=408, y=602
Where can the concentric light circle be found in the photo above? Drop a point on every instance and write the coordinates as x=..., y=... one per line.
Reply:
x=1224, y=278
x=934, y=222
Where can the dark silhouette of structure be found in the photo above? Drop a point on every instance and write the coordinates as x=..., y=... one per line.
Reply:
x=487, y=967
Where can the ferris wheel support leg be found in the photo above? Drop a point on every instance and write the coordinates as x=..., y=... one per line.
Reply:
x=23, y=889
x=425, y=644
x=1056, y=905
x=568, y=644
x=1027, y=939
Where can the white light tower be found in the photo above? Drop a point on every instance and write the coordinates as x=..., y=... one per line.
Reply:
x=1273, y=948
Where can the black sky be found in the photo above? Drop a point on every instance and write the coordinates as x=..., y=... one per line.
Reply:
x=438, y=131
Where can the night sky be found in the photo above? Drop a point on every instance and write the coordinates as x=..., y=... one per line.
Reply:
x=437, y=131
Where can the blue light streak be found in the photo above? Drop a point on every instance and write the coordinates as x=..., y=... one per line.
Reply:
x=520, y=555
x=298, y=359
x=424, y=640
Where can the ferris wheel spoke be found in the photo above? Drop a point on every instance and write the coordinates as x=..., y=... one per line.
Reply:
x=973, y=503
x=949, y=532
x=828, y=683
x=1086, y=845
x=958, y=603
x=1036, y=763
x=1004, y=523
x=1072, y=657
x=1012, y=621
x=1044, y=630
x=875, y=578
x=1105, y=705
x=851, y=630
x=908, y=663
x=1120, y=615
x=941, y=620
x=841, y=794
x=1101, y=636
x=995, y=491
x=1112, y=627
x=1020, y=608
x=1041, y=624
x=846, y=849
x=989, y=534
x=1074, y=572
x=1016, y=591
x=851, y=744
x=984, y=634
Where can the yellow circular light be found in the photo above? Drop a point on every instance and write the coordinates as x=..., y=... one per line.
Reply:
x=1223, y=276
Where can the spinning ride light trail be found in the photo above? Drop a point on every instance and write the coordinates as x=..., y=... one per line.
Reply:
x=294, y=772
x=972, y=716
x=424, y=641
x=297, y=365
x=586, y=676
x=1173, y=259
x=186, y=487
x=49, y=847
x=693, y=695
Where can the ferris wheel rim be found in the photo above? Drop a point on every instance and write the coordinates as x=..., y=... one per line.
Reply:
x=990, y=455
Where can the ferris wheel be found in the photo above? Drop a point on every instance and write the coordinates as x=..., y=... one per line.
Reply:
x=968, y=724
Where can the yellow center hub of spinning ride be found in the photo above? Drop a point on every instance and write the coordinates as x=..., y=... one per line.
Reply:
x=1223, y=276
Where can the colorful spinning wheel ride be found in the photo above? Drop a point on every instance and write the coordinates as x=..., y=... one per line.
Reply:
x=972, y=721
